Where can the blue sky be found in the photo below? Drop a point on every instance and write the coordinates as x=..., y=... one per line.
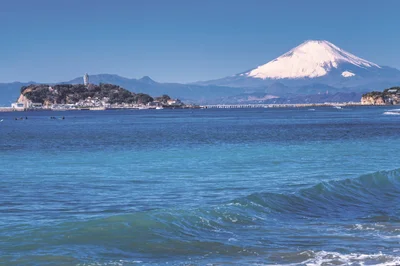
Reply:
x=182, y=40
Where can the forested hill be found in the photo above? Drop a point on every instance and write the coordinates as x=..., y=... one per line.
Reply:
x=70, y=94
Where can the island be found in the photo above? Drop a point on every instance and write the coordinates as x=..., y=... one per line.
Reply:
x=89, y=97
x=389, y=96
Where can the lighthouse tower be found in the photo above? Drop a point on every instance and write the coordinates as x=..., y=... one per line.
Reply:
x=86, y=79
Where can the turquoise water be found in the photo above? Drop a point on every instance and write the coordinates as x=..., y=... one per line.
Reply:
x=179, y=187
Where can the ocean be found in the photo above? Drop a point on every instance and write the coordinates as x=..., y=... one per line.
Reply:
x=284, y=186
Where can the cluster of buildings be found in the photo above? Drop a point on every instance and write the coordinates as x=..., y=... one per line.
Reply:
x=24, y=105
x=94, y=104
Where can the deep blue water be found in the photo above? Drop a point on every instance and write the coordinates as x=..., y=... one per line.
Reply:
x=197, y=187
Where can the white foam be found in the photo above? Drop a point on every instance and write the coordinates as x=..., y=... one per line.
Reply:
x=364, y=227
x=391, y=237
x=391, y=113
x=324, y=258
x=335, y=258
x=112, y=263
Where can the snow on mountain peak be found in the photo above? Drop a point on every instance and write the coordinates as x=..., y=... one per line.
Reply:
x=310, y=59
x=348, y=74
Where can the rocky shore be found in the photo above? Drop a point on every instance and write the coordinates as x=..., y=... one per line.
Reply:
x=389, y=96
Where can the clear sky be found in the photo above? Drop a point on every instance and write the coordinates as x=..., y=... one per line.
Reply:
x=182, y=40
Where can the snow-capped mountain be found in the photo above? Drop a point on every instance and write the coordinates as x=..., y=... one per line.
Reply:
x=313, y=61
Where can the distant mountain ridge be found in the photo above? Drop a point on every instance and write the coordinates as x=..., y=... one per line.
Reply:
x=187, y=92
x=190, y=93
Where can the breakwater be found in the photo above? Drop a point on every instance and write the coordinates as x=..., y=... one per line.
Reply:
x=228, y=106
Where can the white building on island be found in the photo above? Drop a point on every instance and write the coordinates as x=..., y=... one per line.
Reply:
x=86, y=79
x=18, y=106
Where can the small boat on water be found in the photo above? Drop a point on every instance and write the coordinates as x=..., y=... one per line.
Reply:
x=337, y=107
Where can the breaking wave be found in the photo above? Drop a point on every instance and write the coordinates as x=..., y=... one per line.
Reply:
x=250, y=226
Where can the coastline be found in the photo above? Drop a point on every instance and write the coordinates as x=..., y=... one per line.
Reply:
x=10, y=109
x=211, y=106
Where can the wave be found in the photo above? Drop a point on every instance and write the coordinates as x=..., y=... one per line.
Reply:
x=368, y=198
x=243, y=227
x=366, y=194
